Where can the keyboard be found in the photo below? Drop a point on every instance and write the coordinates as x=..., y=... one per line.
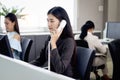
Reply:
x=106, y=40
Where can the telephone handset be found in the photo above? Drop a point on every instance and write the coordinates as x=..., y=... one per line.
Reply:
x=62, y=25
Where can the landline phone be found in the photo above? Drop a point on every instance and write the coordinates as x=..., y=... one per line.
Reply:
x=62, y=25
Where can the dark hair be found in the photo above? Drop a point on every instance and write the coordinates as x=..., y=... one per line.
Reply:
x=12, y=17
x=88, y=25
x=61, y=14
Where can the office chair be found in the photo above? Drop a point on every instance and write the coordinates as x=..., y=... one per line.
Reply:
x=85, y=58
x=26, y=46
x=84, y=43
x=114, y=48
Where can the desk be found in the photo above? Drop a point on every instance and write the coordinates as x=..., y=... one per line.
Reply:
x=106, y=40
x=13, y=69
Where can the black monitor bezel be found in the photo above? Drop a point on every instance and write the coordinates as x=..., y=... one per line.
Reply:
x=5, y=46
x=108, y=35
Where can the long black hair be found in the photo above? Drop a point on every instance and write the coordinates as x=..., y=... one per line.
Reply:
x=61, y=14
x=84, y=29
x=12, y=17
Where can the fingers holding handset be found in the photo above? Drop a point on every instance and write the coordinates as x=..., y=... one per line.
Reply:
x=57, y=32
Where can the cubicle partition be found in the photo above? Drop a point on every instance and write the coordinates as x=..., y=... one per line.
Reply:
x=13, y=69
x=38, y=44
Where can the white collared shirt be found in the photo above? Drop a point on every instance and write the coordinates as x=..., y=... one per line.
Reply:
x=14, y=43
x=94, y=43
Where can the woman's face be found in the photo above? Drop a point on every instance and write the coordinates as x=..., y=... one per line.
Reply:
x=9, y=25
x=53, y=22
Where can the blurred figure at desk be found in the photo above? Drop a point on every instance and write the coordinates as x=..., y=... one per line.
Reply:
x=95, y=44
x=12, y=28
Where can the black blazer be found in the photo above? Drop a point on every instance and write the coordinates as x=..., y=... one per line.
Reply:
x=61, y=57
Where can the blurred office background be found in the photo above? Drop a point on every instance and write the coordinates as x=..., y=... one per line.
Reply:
x=79, y=11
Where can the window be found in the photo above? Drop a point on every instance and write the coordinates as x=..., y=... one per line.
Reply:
x=35, y=19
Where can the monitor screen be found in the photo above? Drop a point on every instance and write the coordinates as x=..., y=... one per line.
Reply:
x=5, y=48
x=113, y=30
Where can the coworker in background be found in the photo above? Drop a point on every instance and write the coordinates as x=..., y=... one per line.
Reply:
x=63, y=47
x=94, y=43
x=13, y=33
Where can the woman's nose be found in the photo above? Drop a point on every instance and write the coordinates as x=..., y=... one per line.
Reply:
x=49, y=24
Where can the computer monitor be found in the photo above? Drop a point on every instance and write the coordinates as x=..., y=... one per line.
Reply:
x=113, y=30
x=5, y=48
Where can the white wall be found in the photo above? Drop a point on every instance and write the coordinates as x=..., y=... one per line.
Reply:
x=118, y=10
x=89, y=10
x=112, y=10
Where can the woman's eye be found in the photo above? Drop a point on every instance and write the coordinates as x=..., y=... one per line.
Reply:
x=52, y=21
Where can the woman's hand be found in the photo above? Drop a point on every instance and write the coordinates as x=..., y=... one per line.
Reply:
x=55, y=34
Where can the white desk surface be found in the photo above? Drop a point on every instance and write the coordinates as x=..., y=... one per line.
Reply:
x=12, y=69
x=106, y=40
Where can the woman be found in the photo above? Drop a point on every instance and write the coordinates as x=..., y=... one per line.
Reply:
x=62, y=42
x=94, y=43
x=13, y=33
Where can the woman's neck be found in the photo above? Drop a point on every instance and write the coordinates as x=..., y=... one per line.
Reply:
x=90, y=30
